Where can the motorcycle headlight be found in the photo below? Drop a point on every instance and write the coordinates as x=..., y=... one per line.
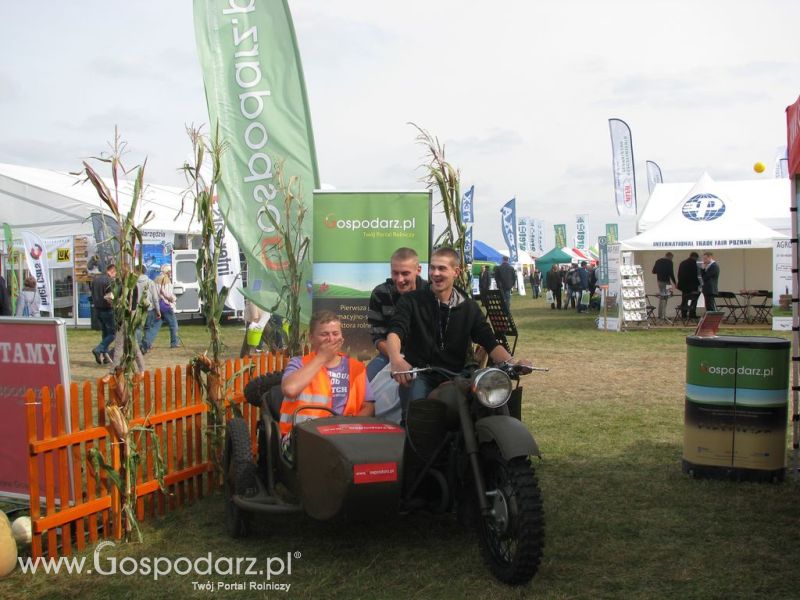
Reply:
x=491, y=387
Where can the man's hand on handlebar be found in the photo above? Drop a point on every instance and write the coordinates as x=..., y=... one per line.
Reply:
x=402, y=378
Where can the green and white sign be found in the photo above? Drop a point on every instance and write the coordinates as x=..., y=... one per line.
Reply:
x=355, y=234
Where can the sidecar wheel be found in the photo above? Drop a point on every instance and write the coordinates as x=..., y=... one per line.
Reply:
x=512, y=536
x=239, y=474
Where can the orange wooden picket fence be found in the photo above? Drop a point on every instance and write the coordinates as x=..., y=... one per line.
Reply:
x=170, y=403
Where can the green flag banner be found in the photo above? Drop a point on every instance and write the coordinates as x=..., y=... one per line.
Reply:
x=612, y=233
x=256, y=96
x=355, y=235
x=561, y=235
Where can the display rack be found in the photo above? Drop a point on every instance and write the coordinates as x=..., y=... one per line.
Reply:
x=633, y=302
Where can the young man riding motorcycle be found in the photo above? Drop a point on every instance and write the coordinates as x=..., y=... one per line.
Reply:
x=325, y=378
x=435, y=327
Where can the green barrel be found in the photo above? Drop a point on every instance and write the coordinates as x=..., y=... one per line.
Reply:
x=737, y=391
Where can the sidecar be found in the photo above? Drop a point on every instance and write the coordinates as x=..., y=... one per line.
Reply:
x=337, y=467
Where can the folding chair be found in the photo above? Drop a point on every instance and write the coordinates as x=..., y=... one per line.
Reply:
x=762, y=311
x=730, y=303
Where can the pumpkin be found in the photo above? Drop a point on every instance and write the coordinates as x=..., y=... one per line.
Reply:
x=8, y=547
x=21, y=528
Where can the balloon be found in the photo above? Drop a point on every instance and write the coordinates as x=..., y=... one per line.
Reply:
x=759, y=167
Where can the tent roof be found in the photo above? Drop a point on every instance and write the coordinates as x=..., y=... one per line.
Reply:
x=706, y=218
x=483, y=251
x=555, y=256
x=523, y=258
x=55, y=204
x=766, y=200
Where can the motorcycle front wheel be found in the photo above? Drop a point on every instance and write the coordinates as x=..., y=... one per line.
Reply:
x=512, y=534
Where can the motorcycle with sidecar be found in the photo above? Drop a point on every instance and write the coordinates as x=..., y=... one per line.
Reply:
x=463, y=449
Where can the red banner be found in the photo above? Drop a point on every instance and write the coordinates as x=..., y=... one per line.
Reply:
x=374, y=472
x=32, y=355
x=343, y=428
x=793, y=136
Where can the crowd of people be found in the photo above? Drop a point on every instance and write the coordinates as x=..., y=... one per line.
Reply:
x=572, y=287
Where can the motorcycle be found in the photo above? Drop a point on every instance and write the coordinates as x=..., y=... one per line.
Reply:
x=463, y=449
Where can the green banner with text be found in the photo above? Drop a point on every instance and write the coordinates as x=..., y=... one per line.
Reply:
x=355, y=234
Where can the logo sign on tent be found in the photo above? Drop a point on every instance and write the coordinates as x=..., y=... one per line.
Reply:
x=703, y=207
x=355, y=234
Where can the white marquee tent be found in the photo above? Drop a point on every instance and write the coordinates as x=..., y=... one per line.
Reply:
x=766, y=200
x=707, y=218
x=56, y=204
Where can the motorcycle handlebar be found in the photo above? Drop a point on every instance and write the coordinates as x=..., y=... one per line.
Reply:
x=513, y=370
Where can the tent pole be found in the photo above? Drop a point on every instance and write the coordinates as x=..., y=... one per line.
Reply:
x=795, y=334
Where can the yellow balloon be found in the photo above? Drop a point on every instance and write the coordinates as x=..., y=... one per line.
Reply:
x=759, y=167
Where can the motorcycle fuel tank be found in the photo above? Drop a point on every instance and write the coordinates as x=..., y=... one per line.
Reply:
x=349, y=467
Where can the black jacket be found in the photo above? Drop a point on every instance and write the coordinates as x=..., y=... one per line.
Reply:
x=663, y=270
x=485, y=282
x=381, y=307
x=420, y=323
x=101, y=285
x=554, y=281
x=688, y=276
x=505, y=276
x=710, y=278
x=5, y=299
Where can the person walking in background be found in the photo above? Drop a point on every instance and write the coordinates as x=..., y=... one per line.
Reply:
x=553, y=282
x=146, y=290
x=5, y=299
x=28, y=301
x=484, y=283
x=583, y=284
x=536, y=282
x=689, y=285
x=102, y=300
x=505, y=276
x=710, y=277
x=166, y=306
x=665, y=274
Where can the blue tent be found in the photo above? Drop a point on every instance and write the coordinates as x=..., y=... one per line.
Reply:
x=482, y=251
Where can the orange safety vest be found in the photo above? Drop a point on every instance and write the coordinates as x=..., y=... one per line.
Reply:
x=318, y=393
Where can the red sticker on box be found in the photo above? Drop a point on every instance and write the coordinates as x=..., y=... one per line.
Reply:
x=375, y=472
x=342, y=428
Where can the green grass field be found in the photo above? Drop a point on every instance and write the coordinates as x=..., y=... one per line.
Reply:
x=622, y=521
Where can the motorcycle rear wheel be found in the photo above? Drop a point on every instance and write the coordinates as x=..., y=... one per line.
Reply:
x=512, y=536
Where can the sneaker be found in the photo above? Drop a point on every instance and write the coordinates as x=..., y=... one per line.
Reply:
x=97, y=357
x=106, y=359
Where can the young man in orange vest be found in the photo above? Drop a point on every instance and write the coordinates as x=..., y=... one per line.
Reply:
x=326, y=377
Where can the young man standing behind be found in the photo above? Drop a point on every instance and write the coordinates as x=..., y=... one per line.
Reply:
x=405, y=270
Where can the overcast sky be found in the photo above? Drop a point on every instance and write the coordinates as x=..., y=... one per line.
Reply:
x=519, y=91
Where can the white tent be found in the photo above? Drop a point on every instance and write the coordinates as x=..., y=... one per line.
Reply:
x=766, y=200
x=523, y=258
x=708, y=219
x=56, y=204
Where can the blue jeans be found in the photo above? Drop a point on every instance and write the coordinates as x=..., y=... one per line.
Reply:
x=507, y=298
x=376, y=365
x=106, y=318
x=152, y=332
x=419, y=388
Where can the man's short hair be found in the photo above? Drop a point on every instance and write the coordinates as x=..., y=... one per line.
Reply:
x=505, y=259
x=708, y=253
x=694, y=255
x=404, y=253
x=669, y=255
x=583, y=263
x=110, y=266
x=321, y=317
x=449, y=253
